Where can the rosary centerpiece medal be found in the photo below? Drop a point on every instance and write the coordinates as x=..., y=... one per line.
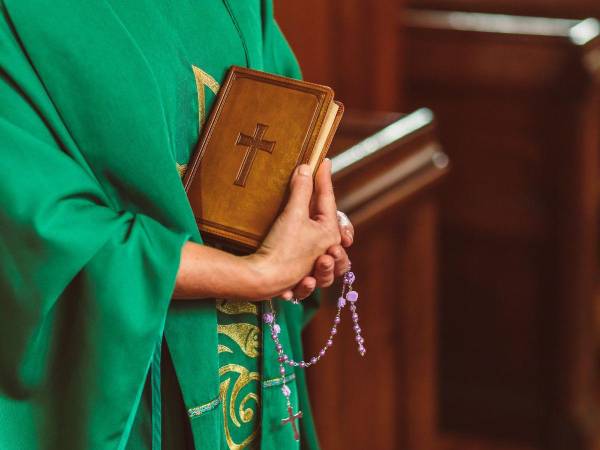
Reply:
x=348, y=296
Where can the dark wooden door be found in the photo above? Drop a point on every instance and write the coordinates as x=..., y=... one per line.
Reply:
x=517, y=103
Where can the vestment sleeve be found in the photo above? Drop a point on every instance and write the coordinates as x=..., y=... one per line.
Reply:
x=84, y=286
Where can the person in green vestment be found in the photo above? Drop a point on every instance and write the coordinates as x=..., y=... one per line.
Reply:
x=120, y=329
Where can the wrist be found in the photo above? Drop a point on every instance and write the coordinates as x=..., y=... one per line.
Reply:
x=260, y=276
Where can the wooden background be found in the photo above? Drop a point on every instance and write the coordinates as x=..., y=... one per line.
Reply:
x=510, y=248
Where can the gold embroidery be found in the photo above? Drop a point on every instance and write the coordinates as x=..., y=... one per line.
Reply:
x=203, y=80
x=181, y=168
x=243, y=334
x=245, y=414
x=234, y=307
x=223, y=349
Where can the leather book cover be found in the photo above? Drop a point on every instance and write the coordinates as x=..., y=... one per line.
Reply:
x=261, y=127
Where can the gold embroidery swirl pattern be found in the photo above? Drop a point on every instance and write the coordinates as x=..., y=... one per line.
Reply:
x=245, y=335
x=232, y=307
x=239, y=349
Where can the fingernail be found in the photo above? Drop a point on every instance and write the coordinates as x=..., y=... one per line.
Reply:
x=329, y=161
x=304, y=170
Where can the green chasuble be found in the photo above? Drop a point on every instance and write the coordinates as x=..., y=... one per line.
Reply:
x=101, y=105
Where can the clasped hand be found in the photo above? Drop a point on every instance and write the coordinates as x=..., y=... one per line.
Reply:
x=303, y=250
x=306, y=243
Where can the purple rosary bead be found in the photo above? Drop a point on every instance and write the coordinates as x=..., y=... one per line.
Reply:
x=268, y=317
x=352, y=296
x=349, y=277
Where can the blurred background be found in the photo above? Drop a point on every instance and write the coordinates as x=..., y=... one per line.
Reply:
x=468, y=161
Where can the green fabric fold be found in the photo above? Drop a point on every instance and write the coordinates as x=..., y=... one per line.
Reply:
x=85, y=284
x=94, y=113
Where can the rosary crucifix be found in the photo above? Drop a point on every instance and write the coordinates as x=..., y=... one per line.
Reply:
x=292, y=419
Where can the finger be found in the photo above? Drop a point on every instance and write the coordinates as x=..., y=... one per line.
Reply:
x=346, y=229
x=324, y=203
x=305, y=288
x=324, y=267
x=341, y=260
x=287, y=295
x=301, y=188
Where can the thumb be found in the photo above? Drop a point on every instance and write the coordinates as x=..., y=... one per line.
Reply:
x=324, y=196
x=301, y=187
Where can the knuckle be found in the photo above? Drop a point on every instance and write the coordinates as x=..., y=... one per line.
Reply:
x=326, y=266
x=328, y=282
x=337, y=252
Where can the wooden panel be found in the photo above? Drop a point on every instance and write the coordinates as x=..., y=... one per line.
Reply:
x=385, y=183
x=518, y=117
x=457, y=442
x=352, y=46
x=314, y=50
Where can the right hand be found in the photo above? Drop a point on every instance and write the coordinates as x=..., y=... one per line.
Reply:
x=301, y=236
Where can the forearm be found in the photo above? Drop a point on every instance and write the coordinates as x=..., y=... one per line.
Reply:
x=205, y=272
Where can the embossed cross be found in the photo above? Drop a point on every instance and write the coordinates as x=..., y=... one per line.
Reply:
x=253, y=144
x=292, y=419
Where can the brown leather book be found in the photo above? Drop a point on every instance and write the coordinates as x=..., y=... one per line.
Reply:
x=261, y=127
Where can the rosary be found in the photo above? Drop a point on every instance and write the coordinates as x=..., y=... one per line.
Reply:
x=348, y=295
